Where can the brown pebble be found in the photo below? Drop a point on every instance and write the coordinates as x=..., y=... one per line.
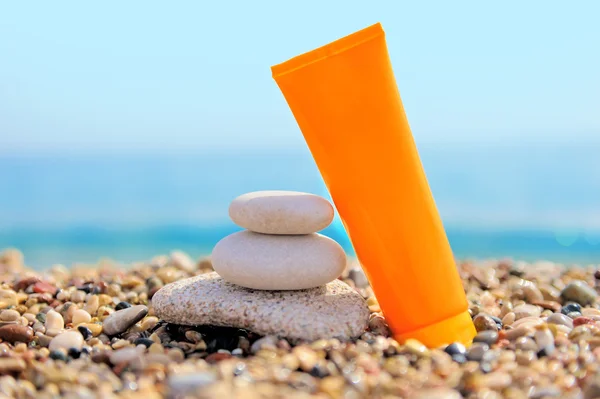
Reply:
x=41, y=287
x=101, y=357
x=16, y=333
x=550, y=305
x=24, y=283
x=217, y=357
x=484, y=322
x=379, y=326
x=102, y=286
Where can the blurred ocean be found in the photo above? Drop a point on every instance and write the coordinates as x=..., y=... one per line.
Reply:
x=525, y=202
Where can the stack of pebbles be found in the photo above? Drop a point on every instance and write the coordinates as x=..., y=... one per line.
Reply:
x=281, y=249
x=277, y=277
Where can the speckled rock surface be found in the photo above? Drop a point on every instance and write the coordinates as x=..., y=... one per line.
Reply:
x=332, y=311
x=278, y=262
x=281, y=212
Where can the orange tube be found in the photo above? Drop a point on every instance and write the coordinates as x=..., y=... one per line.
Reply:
x=346, y=102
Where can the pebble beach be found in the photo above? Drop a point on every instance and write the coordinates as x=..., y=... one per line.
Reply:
x=92, y=332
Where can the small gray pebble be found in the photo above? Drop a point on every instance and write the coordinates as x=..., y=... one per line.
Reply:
x=580, y=292
x=268, y=341
x=560, y=319
x=121, y=320
x=487, y=337
x=358, y=276
x=477, y=351
x=526, y=344
x=183, y=384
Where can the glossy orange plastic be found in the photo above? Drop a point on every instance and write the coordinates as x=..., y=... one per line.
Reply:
x=347, y=104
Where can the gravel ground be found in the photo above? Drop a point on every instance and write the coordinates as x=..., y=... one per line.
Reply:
x=91, y=332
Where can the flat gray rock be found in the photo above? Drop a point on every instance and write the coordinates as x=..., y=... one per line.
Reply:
x=121, y=320
x=332, y=311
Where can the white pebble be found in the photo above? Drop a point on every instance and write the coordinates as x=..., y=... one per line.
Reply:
x=281, y=212
x=278, y=262
x=508, y=319
x=9, y=315
x=54, y=321
x=529, y=321
x=78, y=296
x=182, y=384
x=8, y=298
x=589, y=312
x=544, y=339
x=70, y=312
x=92, y=305
x=30, y=317
x=67, y=340
x=63, y=296
x=436, y=393
x=148, y=323
x=527, y=310
x=182, y=261
x=81, y=316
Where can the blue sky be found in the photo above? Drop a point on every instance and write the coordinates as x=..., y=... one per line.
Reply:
x=191, y=75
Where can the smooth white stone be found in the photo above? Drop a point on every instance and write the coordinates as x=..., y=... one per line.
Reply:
x=67, y=340
x=54, y=321
x=81, y=316
x=277, y=262
x=281, y=212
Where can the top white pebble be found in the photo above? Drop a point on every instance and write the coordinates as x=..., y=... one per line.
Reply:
x=281, y=212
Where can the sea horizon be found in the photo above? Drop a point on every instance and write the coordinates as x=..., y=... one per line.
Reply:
x=527, y=201
x=44, y=247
